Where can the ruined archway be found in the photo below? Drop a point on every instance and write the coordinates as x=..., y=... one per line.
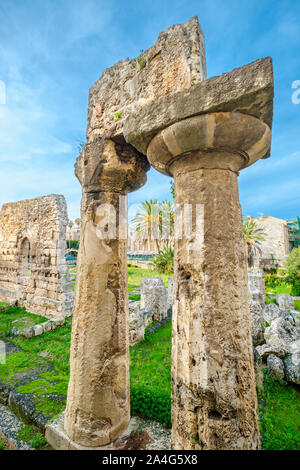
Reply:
x=25, y=257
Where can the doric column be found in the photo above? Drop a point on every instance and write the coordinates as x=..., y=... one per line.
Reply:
x=214, y=403
x=98, y=405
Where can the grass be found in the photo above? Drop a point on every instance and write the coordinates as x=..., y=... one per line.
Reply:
x=36, y=439
x=135, y=275
x=281, y=416
x=150, y=361
x=17, y=317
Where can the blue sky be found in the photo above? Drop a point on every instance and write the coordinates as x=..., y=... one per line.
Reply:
x=52, y=51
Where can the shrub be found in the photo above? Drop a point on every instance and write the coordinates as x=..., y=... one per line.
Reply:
x=272, y=280
x=117, y=116
x=164, y=261
x=152, y=404
x=292, y=264
x=38, y=441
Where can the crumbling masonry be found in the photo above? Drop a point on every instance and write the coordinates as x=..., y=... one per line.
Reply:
x=161, y=109
x=33, y=268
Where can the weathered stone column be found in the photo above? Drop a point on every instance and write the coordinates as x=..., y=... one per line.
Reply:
x=213, y=383
x=98, y=406
x=203, y=137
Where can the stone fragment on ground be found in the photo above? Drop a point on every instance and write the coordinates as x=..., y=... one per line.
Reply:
x=265, y=350
x=275, y=367
x=257, y=322
x=285, y=302
x=292, y=368
x=282, y=334
x=154, y=295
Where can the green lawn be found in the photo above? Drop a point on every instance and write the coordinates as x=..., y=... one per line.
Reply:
x=281, y=416
x=15, y=317
x=44, y=362
x=135, y=275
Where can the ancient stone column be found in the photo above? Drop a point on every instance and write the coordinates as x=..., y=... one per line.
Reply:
x=203, y=137
x=98, y=407
x=213, y=383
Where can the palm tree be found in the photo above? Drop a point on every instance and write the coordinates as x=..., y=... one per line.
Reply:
x=78, y=222
x=155, y=221
x=70, y=224
x=253, y=236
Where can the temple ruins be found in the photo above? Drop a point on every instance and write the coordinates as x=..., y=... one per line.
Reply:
x=160, y=109
x=33, y=270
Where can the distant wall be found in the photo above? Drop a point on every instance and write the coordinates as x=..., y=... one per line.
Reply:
x=33, y=268
x=276, y=242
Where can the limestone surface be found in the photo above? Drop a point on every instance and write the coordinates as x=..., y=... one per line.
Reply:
x=33, y=269
x=248, y=89
x=275, y=367
x=154, y=296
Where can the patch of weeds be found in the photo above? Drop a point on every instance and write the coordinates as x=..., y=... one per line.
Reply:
x=297, y=305
x=141, y=60
x=36, y=439
x=117, y=116
x=38, y=442
x=1, y=445
x=26, y=433
x=269, y=300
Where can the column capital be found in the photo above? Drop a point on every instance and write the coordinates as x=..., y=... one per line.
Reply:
x=224, y=140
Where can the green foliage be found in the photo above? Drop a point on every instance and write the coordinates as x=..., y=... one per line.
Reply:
x=272, y=280
x=155, y=220
x=17, y=317
x=36, y=439
x=135, y=297
x=253, y=235
x=164, y=261
x=172, y=188
x=152, y=404
x=269, y=300
x=117, y=116
x=292, y=264
x=281, y=416
x=26, y=433
x=141, y=60
x=1, y=445
x=135, y=275
x=150, y=376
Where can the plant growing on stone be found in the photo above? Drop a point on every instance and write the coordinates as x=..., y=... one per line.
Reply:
x=253, y=235
x=117, y=116
x=141, y=61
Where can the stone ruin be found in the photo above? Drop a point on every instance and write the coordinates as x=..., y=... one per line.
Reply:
x=33, y=270
x=161, y=110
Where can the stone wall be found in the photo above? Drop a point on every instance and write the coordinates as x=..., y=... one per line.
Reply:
x=276, y=243
x=33, y=269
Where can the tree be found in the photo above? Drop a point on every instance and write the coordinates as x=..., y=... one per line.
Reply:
x=70, y=224
x=253, y=236
x=155, y=221
x=292, y=264
x=78, y=222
